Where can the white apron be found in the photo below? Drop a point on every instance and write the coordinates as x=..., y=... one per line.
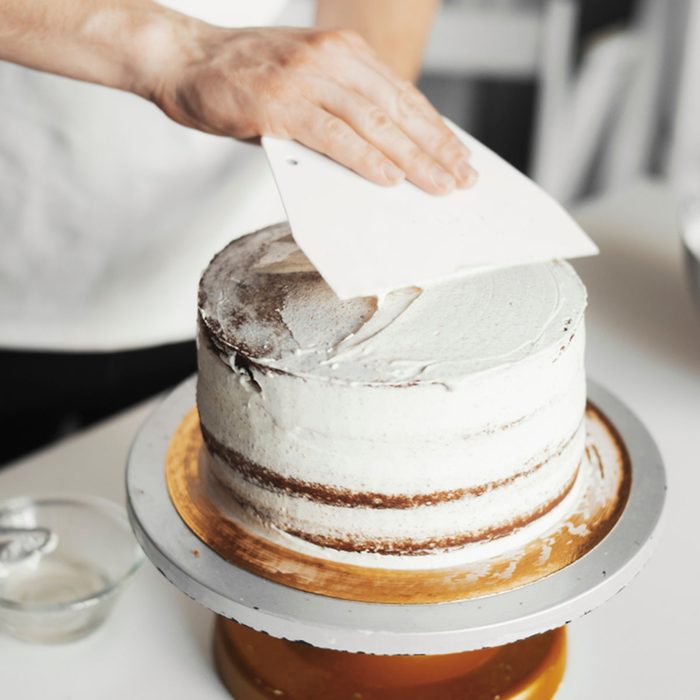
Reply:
x=109, y=211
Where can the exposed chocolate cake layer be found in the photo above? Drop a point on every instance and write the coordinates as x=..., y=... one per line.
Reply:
x=400, y=546
x=329, y=495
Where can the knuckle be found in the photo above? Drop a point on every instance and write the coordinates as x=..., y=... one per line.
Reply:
x=415, y=157
x=378, y=120
x=349, y=37
x=373, y=159
x=446, y=143
x=409, y=101
x=297, y=57
x=329, y=39
x=334, y=129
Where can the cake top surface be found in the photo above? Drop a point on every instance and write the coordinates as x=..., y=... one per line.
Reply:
x=261, y=298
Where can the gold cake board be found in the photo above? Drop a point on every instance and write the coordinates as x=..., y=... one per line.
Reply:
x=606, y=468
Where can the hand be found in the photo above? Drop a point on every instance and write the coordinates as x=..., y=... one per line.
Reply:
x=325, y=89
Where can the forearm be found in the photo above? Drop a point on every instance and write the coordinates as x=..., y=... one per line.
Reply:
x=326, y=89
x=124, y=44
x=396, y=29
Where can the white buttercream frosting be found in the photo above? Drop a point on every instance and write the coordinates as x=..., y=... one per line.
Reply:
x=472, y=391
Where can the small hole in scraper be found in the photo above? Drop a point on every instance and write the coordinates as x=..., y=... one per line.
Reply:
x=292, y=161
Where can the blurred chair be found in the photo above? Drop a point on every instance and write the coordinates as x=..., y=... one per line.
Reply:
x=575, y=107
x=627, y=109
x=498, y=39
x=682, y=158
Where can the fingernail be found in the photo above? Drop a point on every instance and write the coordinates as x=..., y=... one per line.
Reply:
x=443, y=180
x=392, y=173
x=466, y=174
x=464, y=171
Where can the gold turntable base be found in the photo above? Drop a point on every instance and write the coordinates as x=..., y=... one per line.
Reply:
x=255, y=666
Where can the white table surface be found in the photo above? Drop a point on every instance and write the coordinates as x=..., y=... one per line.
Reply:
x=643, y=344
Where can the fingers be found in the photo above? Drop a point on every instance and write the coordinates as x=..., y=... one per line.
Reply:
x=330, y=92
x=410, y=111
x=417, y=117
x=376, y=127
x=326, y=133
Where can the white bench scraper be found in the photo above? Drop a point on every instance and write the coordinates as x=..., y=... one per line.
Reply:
x=365, y=239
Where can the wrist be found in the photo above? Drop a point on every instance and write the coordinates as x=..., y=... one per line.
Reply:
x=161, y=42
x=142, y=44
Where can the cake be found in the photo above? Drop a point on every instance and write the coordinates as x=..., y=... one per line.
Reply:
x=422, y=425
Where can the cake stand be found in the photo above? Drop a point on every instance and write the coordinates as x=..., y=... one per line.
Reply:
x=386, y=628
x=382, y=628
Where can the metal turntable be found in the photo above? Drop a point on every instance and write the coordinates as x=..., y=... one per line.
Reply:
x=296, y=608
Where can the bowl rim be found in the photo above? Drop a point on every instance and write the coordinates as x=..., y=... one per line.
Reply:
x=104, y=507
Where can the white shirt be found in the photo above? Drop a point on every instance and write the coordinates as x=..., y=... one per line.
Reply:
x=109, y=211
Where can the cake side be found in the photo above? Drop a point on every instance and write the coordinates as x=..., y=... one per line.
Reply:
x=365, y=426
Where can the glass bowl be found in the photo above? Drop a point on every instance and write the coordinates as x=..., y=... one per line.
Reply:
x=69, y=591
